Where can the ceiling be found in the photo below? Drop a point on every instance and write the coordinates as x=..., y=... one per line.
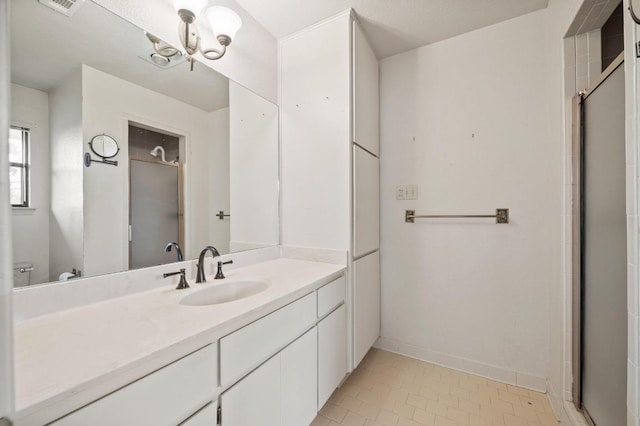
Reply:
x=392, y=26
x=47, y=47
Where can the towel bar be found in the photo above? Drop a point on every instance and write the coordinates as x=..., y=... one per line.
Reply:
x=501, y=216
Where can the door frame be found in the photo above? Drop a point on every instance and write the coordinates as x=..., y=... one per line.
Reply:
x=181, y=186
x=7, y=401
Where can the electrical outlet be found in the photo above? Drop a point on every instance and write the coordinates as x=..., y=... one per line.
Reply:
x=407, y=192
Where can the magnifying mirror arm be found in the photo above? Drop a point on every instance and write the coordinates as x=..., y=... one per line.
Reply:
x=88, y=160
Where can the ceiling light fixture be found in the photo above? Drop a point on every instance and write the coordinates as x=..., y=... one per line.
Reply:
x=224, y=22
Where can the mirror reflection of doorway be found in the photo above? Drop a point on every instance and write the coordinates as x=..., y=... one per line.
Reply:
x=155, y=182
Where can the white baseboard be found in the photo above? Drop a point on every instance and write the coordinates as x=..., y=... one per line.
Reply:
x=478, y=368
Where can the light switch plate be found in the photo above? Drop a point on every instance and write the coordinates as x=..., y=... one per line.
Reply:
x=407, y=192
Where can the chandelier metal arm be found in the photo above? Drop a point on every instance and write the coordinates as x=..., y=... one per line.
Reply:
x=219, y=53
x=166, y=51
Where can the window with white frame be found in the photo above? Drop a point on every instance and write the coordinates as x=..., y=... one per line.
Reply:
x=19, y=166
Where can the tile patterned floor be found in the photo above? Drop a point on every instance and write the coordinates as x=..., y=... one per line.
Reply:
x=391, y=389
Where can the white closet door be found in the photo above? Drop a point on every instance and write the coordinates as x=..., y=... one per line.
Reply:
x=365, y=93
x=366, y=209
x=366, y=279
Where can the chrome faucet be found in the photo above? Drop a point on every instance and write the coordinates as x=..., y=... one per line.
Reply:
x=183, y=279
x=219, y=274
x=177, y=246
x=200, y=278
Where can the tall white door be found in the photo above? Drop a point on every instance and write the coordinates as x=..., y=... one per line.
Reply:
x=6, y=273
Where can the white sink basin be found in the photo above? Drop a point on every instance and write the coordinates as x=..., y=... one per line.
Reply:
x=223, y=293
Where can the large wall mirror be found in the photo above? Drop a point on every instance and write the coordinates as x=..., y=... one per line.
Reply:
x=196, y=160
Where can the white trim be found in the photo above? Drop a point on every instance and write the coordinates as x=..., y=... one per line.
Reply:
x=6, y=255
x=23, y=211
x=23, y=124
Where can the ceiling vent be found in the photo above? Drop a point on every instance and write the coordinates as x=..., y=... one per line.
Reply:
x=160, y=61
x=66, y=7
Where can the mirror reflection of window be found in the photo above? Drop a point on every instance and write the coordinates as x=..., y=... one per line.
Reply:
x=19, y=166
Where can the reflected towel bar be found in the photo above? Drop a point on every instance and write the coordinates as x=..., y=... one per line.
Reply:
x=221, y=215
x=502, y=216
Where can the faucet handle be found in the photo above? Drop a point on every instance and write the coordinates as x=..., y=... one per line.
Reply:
x=183, y=279
x=219, y=274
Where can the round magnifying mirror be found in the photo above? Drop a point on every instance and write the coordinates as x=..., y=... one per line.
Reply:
x=104, y=146
x=634, y=8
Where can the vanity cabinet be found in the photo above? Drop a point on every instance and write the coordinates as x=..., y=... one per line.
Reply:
x=291, y=386
x=246, y=348
x=281, y=392
x=167, y=396
x=276, y=371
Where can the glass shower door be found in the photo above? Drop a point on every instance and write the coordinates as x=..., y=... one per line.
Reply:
x=604, y=254
x=155, y=213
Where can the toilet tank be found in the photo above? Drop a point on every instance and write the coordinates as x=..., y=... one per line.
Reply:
x=22, y=274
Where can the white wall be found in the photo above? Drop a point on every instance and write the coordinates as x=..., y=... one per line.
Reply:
x=30, y=228
x=476, y=122
x=66, y=229
x=109, y=103
x=251, y=59
x=253, y=154
x=219, y=230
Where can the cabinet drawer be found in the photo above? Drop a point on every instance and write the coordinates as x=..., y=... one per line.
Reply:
x=165, y=397
x=331, y=295
x=246, y=348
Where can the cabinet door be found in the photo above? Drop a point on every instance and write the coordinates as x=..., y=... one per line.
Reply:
x=300, y=380
x=255, y=400
x=366, y=204
x=163, y=398
x=208, y=416
x=365, y=93
x=332, y=353
x=366, y=329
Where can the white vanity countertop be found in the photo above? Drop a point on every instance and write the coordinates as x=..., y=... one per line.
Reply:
x=67, y=359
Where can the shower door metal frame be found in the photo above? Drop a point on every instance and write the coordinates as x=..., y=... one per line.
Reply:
x=577, y=211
